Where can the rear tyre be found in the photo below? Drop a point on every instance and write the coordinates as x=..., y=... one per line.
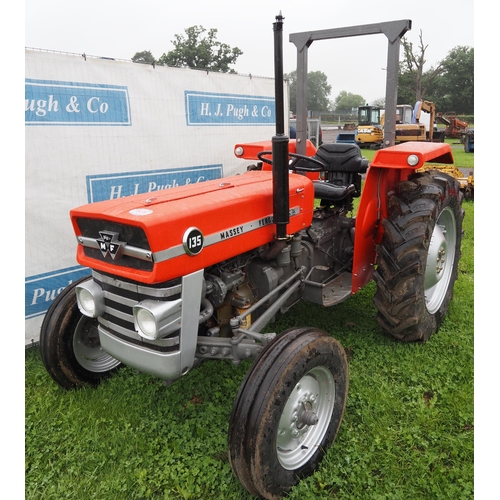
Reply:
x=418, y=256
x=70, y=346
x=288, y=411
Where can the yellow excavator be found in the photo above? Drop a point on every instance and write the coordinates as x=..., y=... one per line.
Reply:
x=412, y=125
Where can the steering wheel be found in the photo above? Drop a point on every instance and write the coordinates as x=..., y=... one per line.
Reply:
x=296, y=157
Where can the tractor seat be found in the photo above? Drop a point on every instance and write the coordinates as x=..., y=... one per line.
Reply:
x=342, y=157
x=331, y=192
x=342, y=168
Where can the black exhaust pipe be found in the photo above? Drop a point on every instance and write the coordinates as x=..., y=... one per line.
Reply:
x=280, y=140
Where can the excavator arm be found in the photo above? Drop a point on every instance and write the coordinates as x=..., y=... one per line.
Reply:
x=427, y=107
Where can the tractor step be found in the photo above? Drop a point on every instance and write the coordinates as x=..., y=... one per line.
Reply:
x=320, y=289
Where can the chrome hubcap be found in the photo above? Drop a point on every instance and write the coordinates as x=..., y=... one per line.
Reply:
x=440, y=259
x=305, y=418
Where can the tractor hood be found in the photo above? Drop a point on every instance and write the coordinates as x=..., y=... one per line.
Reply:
x=156, y=237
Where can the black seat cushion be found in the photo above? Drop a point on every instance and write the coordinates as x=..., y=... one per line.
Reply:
x=342, y=157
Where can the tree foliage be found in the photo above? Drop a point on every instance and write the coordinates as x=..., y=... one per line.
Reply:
x=318, y=91
x=200, y=49
x=144, y=57
x=454, y=89
x=380, y=102
x=346, y=101
x=450, y=85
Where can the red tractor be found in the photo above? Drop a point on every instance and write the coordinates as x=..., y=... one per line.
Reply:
x=198, y=272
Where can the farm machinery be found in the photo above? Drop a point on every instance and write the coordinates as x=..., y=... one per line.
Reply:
x=455, y=127
x=370, y=132
x=412, y=125
x=468, y=140
x=201, y=271
x=465, y=180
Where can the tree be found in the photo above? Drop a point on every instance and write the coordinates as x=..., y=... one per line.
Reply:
x=201, y=52
x=346, y=101
x=318, y=91
x=454, y=89
x=413, y=82
x=380, y=102
x=144, y=57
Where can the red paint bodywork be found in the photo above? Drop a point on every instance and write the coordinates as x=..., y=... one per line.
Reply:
x=213, y=207
x=388, y=168
x=251, y=150
x=222, y=204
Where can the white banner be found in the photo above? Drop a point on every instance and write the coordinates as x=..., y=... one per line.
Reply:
x=100, y=129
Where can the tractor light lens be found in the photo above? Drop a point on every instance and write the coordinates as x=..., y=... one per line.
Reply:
x=412, y=160
x=155, y=319
x=238, y=151
x=90, y=298
x=145, y=323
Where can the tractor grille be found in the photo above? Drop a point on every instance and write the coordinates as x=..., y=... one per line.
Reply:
x=134, y=237
x=119, y=298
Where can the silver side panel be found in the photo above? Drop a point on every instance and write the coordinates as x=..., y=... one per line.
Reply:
x=191, y=301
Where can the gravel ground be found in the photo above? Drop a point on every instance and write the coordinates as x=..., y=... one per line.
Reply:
x=330, y=134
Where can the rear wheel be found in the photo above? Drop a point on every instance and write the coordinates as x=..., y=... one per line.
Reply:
x=70, y=346
x=418, y=256
x=288, y=411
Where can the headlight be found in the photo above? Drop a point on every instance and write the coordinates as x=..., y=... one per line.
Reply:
x=90, y=298
x=146, y=324
x=155, y=319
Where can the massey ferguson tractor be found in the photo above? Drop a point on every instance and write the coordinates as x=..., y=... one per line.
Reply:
x=199, y=272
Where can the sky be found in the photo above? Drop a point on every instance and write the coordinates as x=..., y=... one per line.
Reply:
x=120, y=28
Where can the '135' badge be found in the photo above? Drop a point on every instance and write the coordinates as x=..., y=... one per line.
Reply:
x=193, y=241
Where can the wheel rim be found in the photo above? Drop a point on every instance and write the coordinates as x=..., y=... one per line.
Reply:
x=440, y=260
x=305, y=418
x=87, y=347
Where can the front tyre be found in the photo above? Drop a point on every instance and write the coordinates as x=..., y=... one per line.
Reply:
x=69, y=344
x=288, y=411
x=418, y=256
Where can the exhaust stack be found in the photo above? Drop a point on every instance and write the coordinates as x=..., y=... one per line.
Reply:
x=280, y=140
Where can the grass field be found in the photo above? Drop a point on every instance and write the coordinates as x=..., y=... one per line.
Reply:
x=408, y=431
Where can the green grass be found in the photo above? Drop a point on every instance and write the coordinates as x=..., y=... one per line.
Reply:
x=408, y=431
x=462, y=159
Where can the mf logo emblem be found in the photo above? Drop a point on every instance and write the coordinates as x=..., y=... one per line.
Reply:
x=109, y=244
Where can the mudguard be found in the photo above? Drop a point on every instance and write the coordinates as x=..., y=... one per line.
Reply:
x=389, y=167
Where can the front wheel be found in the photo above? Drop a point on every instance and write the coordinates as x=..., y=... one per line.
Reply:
x=288, y=411
x=69, y=344
x=418, y=256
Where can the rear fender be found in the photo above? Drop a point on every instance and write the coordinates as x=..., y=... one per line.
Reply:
x=389, y=167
